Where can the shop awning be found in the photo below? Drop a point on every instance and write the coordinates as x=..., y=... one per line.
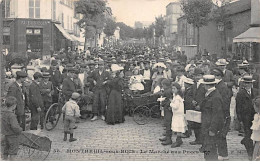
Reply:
x=78, y=39
x=64, y=33
x=251, y=35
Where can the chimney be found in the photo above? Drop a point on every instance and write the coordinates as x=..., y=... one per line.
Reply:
x=255, y=13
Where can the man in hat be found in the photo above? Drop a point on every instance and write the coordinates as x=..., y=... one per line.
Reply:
x=47, y=91
x=245, y=111
x=212, y=118
x=99, y=78
x=68, y=85
x=147, y=75
x=198, y=96
x=224, y=92
x=228, y=75
x=36, y=104
x=56, y=79
x=17, y=90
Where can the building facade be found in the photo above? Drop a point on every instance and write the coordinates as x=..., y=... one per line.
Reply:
x=217, y=41
x=173, y=12
x=40, y=26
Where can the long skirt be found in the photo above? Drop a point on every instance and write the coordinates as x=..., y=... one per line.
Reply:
x=114, y=113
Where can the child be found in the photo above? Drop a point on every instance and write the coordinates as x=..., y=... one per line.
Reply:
x=71, y=111
x=179, y=124
x=256, y=130
x=167, y=94
x=136, y=82
x=10, y=129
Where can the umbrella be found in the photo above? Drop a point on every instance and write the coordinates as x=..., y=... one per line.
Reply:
x=160, y=64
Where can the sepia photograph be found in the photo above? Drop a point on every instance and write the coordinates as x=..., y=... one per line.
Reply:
x=130, y=80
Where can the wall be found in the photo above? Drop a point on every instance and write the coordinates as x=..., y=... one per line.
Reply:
x=213, y=40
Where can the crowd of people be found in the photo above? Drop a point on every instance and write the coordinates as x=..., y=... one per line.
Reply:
x=93, y=84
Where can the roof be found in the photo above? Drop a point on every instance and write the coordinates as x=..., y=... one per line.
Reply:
x=238, y=6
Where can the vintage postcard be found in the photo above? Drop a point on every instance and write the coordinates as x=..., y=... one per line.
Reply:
x=130, y=80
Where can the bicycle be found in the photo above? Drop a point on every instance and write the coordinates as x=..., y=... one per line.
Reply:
x=54, y=113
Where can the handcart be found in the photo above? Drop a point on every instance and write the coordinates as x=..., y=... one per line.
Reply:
x=144, y=106
x=33, y=146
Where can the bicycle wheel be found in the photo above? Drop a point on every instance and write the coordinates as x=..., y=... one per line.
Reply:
x=52, y=117
x=141, y=115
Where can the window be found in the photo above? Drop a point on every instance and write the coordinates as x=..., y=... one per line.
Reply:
x=62, y=20
x=34, y=9
x=68, y=22
x=6, y=8
x=54, y=9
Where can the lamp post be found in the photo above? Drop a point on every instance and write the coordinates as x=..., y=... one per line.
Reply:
x=221, y=28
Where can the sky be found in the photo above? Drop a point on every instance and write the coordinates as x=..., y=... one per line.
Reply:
x=129, y=11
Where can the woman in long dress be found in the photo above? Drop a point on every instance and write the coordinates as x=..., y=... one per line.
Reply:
x=114, y=113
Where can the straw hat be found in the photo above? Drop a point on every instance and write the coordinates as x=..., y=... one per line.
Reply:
x=116, y=67
x=221, y=62
x=208, y=79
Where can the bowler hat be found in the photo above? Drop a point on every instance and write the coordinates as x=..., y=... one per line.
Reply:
x=21, y=74
x=37, y=75
x=217, y=72
x=44, y=69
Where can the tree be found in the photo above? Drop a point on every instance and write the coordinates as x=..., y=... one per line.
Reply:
x=222, y=18
x=197, y=13
x=93, y=12
x=160, y=24
x=110, y=27
x=139, y=33
x=125, y=31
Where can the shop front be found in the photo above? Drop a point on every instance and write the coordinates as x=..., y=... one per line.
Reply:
x=30, y=35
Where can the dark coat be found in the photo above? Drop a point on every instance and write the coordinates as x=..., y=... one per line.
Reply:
x=230, y=80
x=212, y=116
x=9, y=125
x=98, y=78
x=224, y=92
x=198, y=93
x=55, y=78
x=188, y=97
x=68, y=87
x=46, y=95
x=17, y=92
x=168, y=95
x=244, y=105
x=35, y=97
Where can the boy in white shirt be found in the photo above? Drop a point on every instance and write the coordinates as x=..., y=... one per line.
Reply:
x=71, y=111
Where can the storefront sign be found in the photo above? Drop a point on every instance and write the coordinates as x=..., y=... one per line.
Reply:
x=34, y=23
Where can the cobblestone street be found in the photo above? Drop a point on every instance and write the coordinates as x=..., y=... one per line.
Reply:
x=127, y=141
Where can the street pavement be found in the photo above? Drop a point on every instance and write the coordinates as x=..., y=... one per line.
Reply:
x=127, y=141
